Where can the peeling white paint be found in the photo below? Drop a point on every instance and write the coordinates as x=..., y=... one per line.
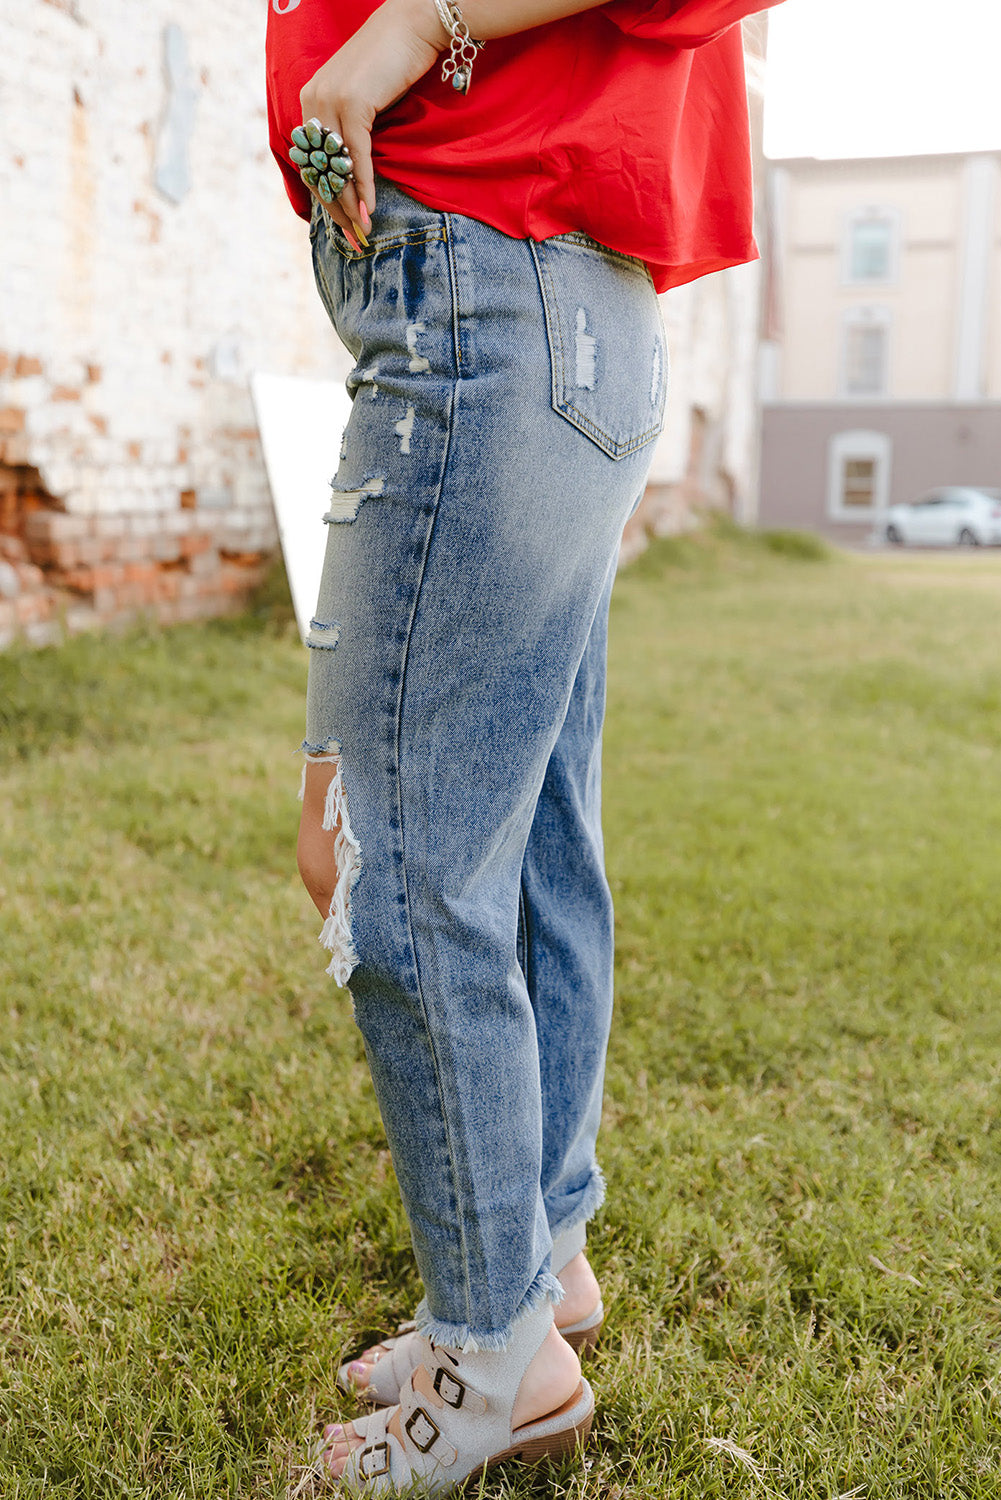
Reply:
x=586, y=345
x=418, y=363
x=404, y=430
x=344, y=503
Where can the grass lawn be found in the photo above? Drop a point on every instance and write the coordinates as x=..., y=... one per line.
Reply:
x=801, y=1251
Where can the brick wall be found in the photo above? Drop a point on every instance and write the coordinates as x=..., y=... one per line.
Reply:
x=150, y=264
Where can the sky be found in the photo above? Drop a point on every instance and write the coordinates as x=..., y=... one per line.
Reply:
x=883, y=77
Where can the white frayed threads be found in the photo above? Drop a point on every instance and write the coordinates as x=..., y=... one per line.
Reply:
x=335, y=935
x=418, y=364
x=586, y=345
x=404, y=430
x=367, y=377
x=344, y=503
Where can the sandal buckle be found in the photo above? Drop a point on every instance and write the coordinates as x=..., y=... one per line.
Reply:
x=423, y=1443
x=368, y=1471
x=449, y=1387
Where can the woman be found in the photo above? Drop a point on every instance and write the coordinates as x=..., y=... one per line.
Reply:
x=490, y=254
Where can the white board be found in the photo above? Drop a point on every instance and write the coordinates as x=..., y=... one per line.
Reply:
x=301, y=423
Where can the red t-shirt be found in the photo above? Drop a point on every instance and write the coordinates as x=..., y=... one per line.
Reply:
x=628, y=122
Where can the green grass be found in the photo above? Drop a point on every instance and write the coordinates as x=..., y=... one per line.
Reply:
x=801, y=1251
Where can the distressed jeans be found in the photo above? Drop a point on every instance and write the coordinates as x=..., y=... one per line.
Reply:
x=505, y=396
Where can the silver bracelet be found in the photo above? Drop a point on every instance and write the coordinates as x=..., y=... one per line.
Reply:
x=457, y=68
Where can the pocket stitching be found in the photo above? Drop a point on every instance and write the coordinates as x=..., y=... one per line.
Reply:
x=389, y=242
x=570, y=413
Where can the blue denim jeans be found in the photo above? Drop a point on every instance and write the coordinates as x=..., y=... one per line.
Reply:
x=505, y=396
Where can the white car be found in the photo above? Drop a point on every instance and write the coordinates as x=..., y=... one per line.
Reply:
x=960, y=515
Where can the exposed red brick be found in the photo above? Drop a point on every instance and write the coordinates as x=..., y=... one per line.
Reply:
x=189, y=498
x=99, y=423
x=92, y=580
x=11, y=419
x=55, y=526
x=134, y=450
x=27, y=364
x=193, y=542
x=14, y=450
x=62, y=555
x=64, y=393
x=5, y=362
x=94, y=373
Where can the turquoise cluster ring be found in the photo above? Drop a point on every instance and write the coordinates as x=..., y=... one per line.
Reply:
x=322, y=158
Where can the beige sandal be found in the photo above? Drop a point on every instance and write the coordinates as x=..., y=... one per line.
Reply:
x=399, y=1355
x=454, y=1420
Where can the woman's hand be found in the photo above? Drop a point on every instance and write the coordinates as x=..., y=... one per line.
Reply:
x=387, y=55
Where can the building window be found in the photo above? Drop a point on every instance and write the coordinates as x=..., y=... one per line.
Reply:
x=858, y=476
x=865, y=351
x=858, y=484
x=871, y=246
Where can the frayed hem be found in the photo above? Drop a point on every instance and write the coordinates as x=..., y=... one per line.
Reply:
x=570, y=1234
x=544, y=1289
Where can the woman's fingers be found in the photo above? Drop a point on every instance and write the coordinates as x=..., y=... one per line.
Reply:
x=362, y=190
x=353, y=206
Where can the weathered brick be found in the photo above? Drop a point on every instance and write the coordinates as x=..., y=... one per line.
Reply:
x=26, y=364
x=194, y=542
x=11, y=420
x=31, y=607
x=13, y=549
x=204, y=564
x=15, y=450
x=55, y=526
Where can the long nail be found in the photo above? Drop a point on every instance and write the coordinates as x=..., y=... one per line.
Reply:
x=352, y=241
x=359, y=231
x=365, y=218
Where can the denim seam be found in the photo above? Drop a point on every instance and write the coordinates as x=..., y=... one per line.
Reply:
x=319, y=270
x=454, y=279
x=565, y=408
x=392, y=242
x=526, y=938
x=435, y=1061
x=616, y=257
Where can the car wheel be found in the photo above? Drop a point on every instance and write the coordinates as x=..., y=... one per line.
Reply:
x=893, y=536
x=968, y=538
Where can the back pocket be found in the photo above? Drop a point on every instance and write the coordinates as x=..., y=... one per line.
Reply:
x=606, y=342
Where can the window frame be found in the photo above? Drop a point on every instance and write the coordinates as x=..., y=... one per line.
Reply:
x=867, y=315
x=871, y=212
x=864, y=444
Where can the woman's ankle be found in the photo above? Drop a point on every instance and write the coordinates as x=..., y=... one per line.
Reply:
x=582, y=1291
x=551, y=1379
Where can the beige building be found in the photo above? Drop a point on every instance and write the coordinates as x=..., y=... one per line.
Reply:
x=882, y=375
